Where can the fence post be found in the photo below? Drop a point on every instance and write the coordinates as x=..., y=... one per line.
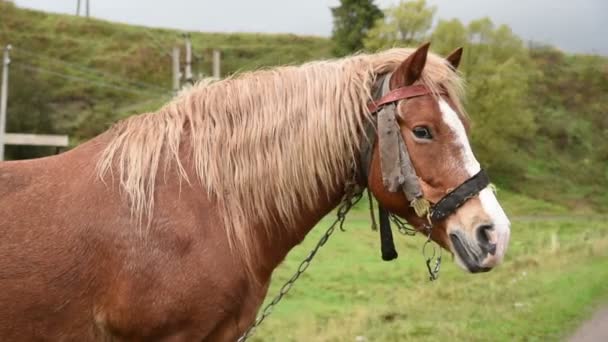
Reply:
x=216, y=64
x=6, y=60
x=176, y=72
x=188, y=67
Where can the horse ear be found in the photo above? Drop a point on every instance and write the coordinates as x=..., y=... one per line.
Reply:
x=454, y=58
x=410, y=70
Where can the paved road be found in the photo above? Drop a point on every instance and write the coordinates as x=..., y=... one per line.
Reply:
x=594, y=330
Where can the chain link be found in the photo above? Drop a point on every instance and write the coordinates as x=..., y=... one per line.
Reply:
x=352, y=195
x=402, y=227
x=407, y=229
x=433, y=270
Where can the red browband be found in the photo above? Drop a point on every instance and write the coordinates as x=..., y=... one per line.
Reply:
x=399, y=94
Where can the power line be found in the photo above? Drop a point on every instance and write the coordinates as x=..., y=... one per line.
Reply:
x=157, y=43
x=30, y=67
x=140, y=104
x=89, y=70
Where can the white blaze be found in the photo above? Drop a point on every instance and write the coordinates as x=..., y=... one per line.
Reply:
x=453, y=121
x=486, y=196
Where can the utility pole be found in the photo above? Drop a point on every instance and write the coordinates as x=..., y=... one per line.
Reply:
x=175, y=67
x=188, y=66
x=216, y=64
x=6, y=60
x=87, y=8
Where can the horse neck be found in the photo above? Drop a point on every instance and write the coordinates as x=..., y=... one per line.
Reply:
x=272, y=250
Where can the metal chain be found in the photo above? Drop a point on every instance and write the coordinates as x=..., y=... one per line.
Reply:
x=407, y=229
x=353, y=193
x=433, y=270
x=402, y=227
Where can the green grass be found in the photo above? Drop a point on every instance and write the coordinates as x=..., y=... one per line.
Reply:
x=553, y=276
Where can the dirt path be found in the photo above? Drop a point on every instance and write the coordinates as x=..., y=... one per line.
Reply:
x=593, y=330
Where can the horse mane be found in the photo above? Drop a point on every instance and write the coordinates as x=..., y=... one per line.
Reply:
x=263, y=143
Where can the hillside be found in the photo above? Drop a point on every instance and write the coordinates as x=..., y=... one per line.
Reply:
x=76, y=76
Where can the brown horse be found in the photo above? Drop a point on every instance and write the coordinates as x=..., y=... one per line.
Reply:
x=169, y=225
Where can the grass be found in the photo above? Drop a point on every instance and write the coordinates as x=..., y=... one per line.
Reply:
x=552, y=278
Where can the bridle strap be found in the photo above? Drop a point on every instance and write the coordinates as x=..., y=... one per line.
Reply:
x=398, y=172
x=387, y=245
x=399, y=94
x=449, y=203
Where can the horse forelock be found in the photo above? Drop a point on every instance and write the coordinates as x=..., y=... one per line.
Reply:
x=264, y=143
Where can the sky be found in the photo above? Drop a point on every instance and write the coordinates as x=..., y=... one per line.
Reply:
x=573, y=26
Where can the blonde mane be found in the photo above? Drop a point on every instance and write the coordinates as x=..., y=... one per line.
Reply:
x=264, y=143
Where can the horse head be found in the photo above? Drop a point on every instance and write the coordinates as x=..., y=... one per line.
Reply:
x=464, y=213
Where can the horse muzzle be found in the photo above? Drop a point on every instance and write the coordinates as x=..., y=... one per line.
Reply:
x=482, y=248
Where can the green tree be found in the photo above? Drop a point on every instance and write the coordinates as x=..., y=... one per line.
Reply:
x=448, y=35
x=498, y=71
x=352, y=20
x=480, y=30
x=497, y=96
x=406, y=23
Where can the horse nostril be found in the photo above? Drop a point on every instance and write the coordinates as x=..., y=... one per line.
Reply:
x=484, y=238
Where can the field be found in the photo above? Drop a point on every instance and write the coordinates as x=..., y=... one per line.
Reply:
x=69, y=75
x=554, y=275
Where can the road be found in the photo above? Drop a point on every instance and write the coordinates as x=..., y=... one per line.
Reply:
x=593, y=330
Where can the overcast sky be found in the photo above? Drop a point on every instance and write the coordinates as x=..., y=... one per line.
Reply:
x=572, y=25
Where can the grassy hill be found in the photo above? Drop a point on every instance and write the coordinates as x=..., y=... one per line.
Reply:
x=87, y=73
x=77, y=76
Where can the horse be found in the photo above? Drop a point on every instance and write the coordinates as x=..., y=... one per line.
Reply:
x=168, y=226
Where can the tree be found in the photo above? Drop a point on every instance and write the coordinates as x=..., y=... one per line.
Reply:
x=498, y=71
x=480, y=30
x=448, y=35
x=405, y=24
x=352, y=20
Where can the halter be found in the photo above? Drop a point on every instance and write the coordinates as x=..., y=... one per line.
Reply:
x=398, y=173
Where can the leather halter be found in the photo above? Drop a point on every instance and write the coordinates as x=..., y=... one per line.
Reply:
x=399, y=94
x=408, y=179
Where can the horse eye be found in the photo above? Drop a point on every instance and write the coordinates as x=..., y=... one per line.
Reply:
x=422, y=132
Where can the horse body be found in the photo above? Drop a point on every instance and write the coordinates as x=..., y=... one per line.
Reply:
x=231, y=194
x=79, y=270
